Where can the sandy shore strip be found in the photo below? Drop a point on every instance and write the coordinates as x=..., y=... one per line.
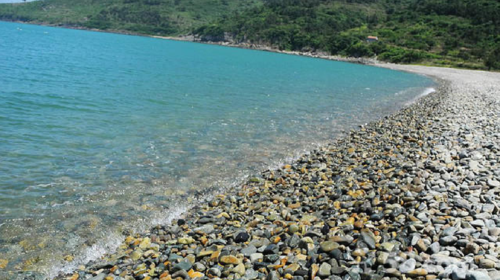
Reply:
x=414, y=195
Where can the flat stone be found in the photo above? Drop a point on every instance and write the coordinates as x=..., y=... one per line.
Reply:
x=329, y=246
x=256, y=257
x=342, y=240
x=493, y=183
x=387, y=246
x=477, y=223
x=325, y=270
x=477, y=275
x=228, y=259
x=417, y=272
x=486, y=263
x=247, y=251
x=184, y=265
x=407, y=266
x=369, y=238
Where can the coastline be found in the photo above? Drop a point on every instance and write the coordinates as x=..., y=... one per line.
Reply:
x=412, y=195
x=268, y=190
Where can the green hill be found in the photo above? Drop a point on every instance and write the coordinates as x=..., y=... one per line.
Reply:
x=448, y=32
x=463, y=33
x=152, y=17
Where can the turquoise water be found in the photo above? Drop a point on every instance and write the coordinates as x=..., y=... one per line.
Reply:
x=101, y=134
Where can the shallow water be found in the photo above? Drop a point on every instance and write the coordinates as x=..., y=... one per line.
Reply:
x=102, y=134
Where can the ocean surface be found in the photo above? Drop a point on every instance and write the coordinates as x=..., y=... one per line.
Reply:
x=102, y=134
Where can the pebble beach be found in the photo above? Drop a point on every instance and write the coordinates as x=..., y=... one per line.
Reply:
x=412, y=196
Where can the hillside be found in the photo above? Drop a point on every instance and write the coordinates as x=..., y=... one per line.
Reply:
x=152, y=17
x=461, y=33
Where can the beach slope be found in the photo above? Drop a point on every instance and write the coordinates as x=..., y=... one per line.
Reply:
x=413, y=195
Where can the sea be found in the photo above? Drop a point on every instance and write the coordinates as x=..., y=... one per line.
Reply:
x=103, y=135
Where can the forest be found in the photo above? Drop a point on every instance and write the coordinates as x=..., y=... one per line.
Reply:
x=456, y=33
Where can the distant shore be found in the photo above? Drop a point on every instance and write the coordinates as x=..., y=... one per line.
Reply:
x=413, y=195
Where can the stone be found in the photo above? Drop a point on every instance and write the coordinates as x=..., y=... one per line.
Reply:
x=417, y=272
x=407, y=266
x=145, y=243
x=195, y=274
x=184, y=265
x=369, y=238
x=382, y=258
x=185, y=240
x=240, y=269
x=215, y=271
x=434, y=248
x=325, y=270
x=493, y=183
x=329, y=246
x=421, y=245
x=273, y=275
x=472, y=248
x=242, y=237
x=477, y=275
x=247, y=251
x=229, y=259
x=387, y=246
x=486, y=263
x=256, y=257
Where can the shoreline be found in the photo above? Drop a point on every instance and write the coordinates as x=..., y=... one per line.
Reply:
x=412, y=195
x=351, y=257
x=321, y=55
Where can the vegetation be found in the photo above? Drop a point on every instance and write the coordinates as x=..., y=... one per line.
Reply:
x=152, y=17
x=461, y=33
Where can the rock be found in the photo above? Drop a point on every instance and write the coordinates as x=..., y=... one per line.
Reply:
x=195, y=274
x=251, y=274
x=240, y=269
x=99, y=276
x=325, y=270
x=472, y=248
x=247, y=251
x=184, y=265
x=369, y=238
x=242, y=237
x=228, y=259
x=407, y=266
x=434, y=248
x=145, y=243
x=447, y=240
x=486, y=263
x=256, y=257
x=215, y=271
x=185, y=240
x=387, y=246
x=477, y=275
x=417, y=272
x=273, y=275
x=329, y=246
x=382, y=258
x=493, y=183
x=271, y=249
x=3, y=263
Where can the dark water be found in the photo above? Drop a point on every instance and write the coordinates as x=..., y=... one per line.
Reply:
x=104, y=133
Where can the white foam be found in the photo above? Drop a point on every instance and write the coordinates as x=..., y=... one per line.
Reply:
x=426, y=92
